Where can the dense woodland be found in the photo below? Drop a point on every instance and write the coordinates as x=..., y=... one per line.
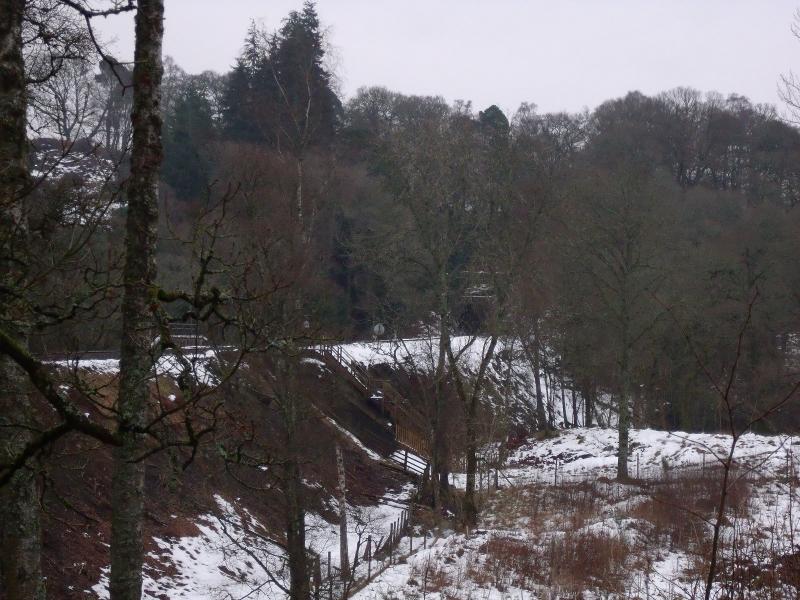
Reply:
x=620, y=233
x=611, y=236
x=637, y=252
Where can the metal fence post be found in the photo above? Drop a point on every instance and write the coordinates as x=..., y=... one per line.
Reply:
x=391, y=542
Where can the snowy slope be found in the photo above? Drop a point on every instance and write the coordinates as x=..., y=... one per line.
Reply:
x=593, y=453
x=513, y=388
x=201, y=365
x=590, y=537
x=227, y=554
x=213, y=563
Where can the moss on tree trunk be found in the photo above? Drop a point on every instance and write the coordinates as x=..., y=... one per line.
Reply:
x=20, y=529
x=139, y=275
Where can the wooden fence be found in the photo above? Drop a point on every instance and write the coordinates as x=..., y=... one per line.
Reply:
x=410, y=438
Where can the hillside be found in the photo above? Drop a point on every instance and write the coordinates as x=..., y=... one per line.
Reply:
x=579, y=534
x=554, y=522
x=214, y=525
x=446, y=326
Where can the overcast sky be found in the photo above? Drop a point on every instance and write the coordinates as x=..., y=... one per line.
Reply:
x=559, y=54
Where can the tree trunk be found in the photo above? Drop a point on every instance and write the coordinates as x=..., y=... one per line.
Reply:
x=533, y=356
x=438, y=399
x=139, y=277
x=298, y=192
x=299, y=582
x=470, y=506
x=470, y=401
x=624, y=414
x=574, y=397
x=20, y=529
x=587, y=391
x=549, y=397
x=299, y=586
x=344, y=556
x=20, y=534
x=720, y=515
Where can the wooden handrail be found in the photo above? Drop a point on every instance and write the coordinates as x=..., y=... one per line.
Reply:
x=392, y=403
x=411, y=439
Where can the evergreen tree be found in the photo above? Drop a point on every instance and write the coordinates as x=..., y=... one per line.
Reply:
x=188, y=130
x=493, y=119
x=243, y=93
x=279, y=91
x=310, y=108
x=237, y=120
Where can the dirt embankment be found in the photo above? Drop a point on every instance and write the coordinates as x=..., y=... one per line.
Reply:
x=239, y=460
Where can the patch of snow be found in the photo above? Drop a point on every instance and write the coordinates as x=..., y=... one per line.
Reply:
x=363, y=522
x=313, y=361
x=227, y=558
x=200, y=366
x=592, y=452
x=357, y=442
x=105, y=366
x=211, y=565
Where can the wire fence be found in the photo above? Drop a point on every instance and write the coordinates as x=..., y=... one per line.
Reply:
x=752, y=468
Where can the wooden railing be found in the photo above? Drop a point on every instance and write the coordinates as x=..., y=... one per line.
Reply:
x=411, y=439
x=359, y=374
x=383, y=397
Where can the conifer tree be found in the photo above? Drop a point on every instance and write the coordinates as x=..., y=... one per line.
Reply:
x=187, y=131
x=309, y=104
x=279, y=92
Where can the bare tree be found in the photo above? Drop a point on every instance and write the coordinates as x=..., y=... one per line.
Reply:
x=127, y=544
x=19, y=516
x=789, y=85
x=66, y=104
x=434, y=162
x=115, y=99
x=618, y=246
x=741, y=413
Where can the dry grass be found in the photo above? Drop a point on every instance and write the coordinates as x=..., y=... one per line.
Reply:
x=606, y=538
x=572, y=563
x=431, y=577
x=591, y=561
x=546, y=507
x=675, y=515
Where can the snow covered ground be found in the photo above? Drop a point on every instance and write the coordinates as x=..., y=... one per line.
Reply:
x=585, y=536
x=510, y=372
x=559, y=527
x=363, y=522
x=590, y=453
x=108, y=366
x=211, y=563
x=590, y=537
x=231, y=555
x=201, y=365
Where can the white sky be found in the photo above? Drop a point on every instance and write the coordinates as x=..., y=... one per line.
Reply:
x=559, y=54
